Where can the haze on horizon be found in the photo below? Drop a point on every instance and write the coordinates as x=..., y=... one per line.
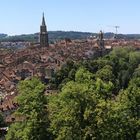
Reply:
x=24, y=17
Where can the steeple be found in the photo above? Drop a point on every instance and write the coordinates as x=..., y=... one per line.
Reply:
x=100, y=40
x=43, y=34
x=43, y=20
x=101, y=36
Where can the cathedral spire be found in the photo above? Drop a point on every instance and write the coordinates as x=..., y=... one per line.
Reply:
x=43, y=20
x=43, y=34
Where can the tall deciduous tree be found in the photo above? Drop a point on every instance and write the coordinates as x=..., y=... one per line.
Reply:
x=32, y=107
x=72, y=112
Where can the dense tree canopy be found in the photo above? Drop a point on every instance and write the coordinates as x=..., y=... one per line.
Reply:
x=96, y=100
x=32, y=107
x=101, y=101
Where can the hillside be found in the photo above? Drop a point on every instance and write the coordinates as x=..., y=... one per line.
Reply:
x=53, y=35
x=57, y=35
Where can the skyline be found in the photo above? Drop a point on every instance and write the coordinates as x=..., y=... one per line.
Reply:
x=24, y=17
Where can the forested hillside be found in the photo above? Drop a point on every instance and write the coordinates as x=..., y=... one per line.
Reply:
x=96, y=100
x=57, y=35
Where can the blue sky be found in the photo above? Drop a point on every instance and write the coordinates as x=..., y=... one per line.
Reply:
x=24, y=16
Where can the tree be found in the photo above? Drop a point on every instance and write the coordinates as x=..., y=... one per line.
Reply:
x=69, y=110
x=72, y=112
x=67, y=71
x=124, y=77
x=32, y=107
x=136, y=72
x=2, y=124
x=134, y=59
x=119, y=58
x=106, y=74
x=120, y=118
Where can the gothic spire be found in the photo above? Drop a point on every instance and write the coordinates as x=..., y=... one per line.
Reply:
x=43, y=34
x=43, y=20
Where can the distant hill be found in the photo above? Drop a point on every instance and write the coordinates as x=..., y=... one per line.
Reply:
x=3, y=35
x=27, y=37
x=57, y=35
x=53, y=36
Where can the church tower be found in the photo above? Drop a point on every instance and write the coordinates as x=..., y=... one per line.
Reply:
x=43, y=34
x=100, y=40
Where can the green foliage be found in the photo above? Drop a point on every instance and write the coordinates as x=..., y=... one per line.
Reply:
x=83, y=76
x=134, y=58
x=53, y=36
x=32, y=107
x=102, y=103
x=64, y=75
x=105, y=74
x=104, y=90
x=58, y=35
x=2, y=124
x=75, y=117
x=117, y=67
x=73, y=105
x=136, y=72
x=31, y=97
x=98, y=100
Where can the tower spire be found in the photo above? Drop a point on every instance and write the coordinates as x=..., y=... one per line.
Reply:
x=43, y=20
x=100, y=40
x=43, y=34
